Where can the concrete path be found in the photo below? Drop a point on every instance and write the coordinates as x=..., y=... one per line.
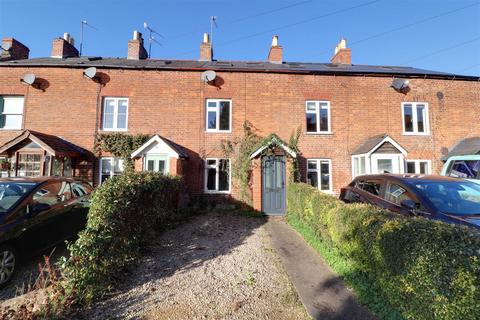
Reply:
x=322, y=292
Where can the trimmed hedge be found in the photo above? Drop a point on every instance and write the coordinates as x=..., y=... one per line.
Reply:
x=424, y=269
x=123, y=214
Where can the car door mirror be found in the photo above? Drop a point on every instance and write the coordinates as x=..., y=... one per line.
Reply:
x=409, y=204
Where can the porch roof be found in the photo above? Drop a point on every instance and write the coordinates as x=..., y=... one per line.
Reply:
x=463, y=147
x=166, y=145
x=54, y=145
x=273, y=140
x=373, y=143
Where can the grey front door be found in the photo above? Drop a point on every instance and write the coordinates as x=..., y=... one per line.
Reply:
x=273, y=185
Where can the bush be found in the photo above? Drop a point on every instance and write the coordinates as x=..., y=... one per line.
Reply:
x=123, y=213
x=424, y=269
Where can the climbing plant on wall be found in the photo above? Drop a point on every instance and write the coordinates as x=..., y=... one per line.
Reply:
x=120, y=145
x=240, y=149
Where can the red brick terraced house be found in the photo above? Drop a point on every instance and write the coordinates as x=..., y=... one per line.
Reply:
x=354, y=119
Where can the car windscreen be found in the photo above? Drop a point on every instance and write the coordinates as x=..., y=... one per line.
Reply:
x=454, y=197
x=468, y=169
x=12, y=192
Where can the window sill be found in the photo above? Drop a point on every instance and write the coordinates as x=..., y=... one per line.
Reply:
x=10, y=129
x=114, y=130
x=216, y=192
x=329, y=133
x=218, y=131
x=416, y=134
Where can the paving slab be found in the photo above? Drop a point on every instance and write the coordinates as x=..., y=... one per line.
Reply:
x=323, y=293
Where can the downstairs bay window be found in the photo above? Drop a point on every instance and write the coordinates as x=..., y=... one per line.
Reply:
x=217, y=175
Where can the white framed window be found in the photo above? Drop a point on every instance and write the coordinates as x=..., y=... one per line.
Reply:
x=110, y=167
x=11, y=115
x=217, y=175
x=415, y=118
x=319, y=174
x=359, y=165
x=218, y=115
x=317, y=114
x=418, y=166
x=115, y=114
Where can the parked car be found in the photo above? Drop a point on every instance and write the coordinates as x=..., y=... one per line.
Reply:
x=37, y=213
x=467, y=167
x=436, y=197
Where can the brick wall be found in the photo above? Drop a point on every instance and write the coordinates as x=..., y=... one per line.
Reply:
x=171, y=103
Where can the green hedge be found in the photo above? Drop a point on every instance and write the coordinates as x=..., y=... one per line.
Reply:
x=123, y=214
x=419, y=268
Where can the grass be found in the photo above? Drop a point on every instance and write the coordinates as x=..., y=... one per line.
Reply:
x=368, y=291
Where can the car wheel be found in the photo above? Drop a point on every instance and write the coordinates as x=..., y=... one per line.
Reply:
x=8, y=264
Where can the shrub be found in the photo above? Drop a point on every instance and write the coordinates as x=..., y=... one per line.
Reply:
x=123, y=213
x=425, y=269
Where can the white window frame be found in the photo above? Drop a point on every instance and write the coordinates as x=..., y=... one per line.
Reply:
x=318, y=106
x=112, y=172
x=426, y=119
x=417, y=165
x=217, y=111
x=319, y=174
x=367, y=164
x=216, y=166
x=13, y=114
x=115, y=114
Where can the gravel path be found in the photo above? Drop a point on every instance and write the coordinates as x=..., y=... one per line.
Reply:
x=216, y=266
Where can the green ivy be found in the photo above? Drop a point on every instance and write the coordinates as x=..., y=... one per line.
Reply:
x=120, y=145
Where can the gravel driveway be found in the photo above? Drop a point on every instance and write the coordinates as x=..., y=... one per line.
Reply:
x=216, y=266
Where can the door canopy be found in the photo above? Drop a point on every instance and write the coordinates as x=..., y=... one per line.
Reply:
x=160, y=145
x=273, y=141
x=382, y=144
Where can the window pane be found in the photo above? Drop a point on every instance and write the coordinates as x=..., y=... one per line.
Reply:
x=109, y=106
x=106, y=166
x=150, y=165
x=211, y=177
x=122, y=121
x=311, y=106
x=108, y=121
x=161, y=166
x=13, y=121
x=13, y=105
x=122, y=106
x=312, y=164
x=396, y=194
x=211, y=120
x=224, y=115
x=323, y=118
x=312, y=178
x=410, y=167
x=223, y=175
x=311, y=122
x=356, y=167
x=212, y=104
x=362, y=165
x=57, y=166
x=279, y=174
x=325, y=175
x=408, y=117
x=67, y=167
x=465, y=169
x=423, y=167
x=118, y=166
x=212, y=162
x=384, y=165
x=420, y=118
x=371, y=186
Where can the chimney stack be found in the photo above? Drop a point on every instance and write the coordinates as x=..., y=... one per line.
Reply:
x=13, y=50
x=276, y=52
x=342, y=54
x=206, y=51
x=64, y=47
x=136, y=50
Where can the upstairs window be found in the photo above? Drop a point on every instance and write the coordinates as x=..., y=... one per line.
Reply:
x=11, y=112
x=218, y=115
x=217, y=175
x=415, y=118
x=319, y=174
x=115, y=114
x=318, y=117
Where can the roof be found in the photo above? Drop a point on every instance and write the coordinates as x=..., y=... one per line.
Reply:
x=227, y=65
x=463, y=147
x=54, y=145
x=175, y=149
x=411, y=177
x=373, y=143
x=273, y=139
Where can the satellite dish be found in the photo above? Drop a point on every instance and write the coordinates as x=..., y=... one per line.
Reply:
x=90, y=72
x=209, y=75
x=400, y=84
x=28, y=79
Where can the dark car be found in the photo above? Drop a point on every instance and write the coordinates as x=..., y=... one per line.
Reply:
x=37, y=213
x=442, y=198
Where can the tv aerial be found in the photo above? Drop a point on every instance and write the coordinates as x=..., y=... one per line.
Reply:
x=151, y=38
x=213, y=23
x=83, y=24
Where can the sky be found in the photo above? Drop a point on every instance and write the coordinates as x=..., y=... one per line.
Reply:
x=442, y=35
